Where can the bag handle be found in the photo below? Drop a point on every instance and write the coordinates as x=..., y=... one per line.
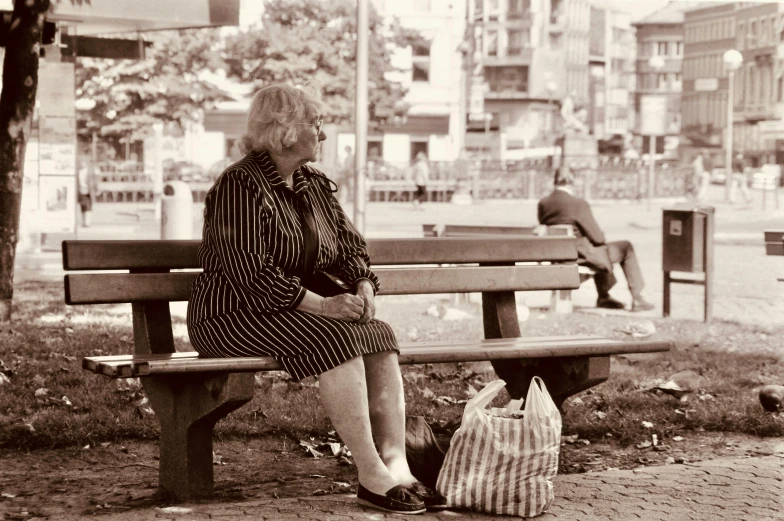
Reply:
x=483, y=398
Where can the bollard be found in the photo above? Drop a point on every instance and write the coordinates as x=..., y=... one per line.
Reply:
x=176, y=211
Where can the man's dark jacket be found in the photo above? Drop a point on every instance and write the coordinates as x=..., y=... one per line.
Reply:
x=561, y=207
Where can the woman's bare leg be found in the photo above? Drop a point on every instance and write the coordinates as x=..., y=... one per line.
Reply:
x=388, y=412
x=344, y=395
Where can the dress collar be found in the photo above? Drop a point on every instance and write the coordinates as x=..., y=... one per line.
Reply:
x=301, y=181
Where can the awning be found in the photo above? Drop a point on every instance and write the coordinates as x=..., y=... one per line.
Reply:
x=95, y=17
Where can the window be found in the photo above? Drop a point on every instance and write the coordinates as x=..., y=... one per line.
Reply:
x=419, y=145
x=518, y=39
x=751, y=37
x=762, y=38
x=781, y=34
x=676, y=48
x=375, y=148
x=676, y=81
x=517, y=8
x=421, y=62
x=741, y=36
x=661, y=49
x=492, y=43
x=661, y=81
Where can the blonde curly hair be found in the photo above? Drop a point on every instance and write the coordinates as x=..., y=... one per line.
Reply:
x=276, y=115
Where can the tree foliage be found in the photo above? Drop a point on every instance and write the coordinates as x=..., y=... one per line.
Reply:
x=165, y=87
x=300, y=40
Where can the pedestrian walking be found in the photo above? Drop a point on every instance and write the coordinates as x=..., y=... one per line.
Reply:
x=701, y=178
x=738, y=179
x=86, y=191
x=421, y=177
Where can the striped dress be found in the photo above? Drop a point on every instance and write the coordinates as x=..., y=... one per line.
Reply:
x=252, y=255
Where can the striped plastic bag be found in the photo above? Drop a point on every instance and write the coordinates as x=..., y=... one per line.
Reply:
x=504, y=465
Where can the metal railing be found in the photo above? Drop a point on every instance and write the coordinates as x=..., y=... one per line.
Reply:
x=612, y=178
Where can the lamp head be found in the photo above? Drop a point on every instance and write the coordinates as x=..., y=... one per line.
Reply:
x=732, y=59
x=656, y=63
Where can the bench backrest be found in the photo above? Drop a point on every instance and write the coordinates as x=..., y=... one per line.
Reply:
x=774, y=242
x=478, y=230
x=405, y=266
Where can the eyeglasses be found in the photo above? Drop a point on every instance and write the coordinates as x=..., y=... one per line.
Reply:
x=319, y=124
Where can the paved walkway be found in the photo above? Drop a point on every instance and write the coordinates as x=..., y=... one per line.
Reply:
x=750, y=489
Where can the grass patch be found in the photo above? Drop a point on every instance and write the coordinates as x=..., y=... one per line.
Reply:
x=47, y=340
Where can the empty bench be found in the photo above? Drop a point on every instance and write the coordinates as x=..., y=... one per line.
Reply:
x=560, y=300
x=190, y=394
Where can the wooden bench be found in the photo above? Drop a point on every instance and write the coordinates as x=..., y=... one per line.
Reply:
x=190, y=394
x=560, y=300
x=774, y=244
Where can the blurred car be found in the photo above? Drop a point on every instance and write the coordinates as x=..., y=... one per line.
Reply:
x=183, y=171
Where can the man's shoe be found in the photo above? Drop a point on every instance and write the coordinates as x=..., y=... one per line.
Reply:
x=641, y=304
x=609, y=303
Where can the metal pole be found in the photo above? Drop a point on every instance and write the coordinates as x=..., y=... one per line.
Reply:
x=361, y=115
x=652, y=154
x=728, y=139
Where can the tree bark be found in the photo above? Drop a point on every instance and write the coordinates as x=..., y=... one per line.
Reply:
x=17, y=101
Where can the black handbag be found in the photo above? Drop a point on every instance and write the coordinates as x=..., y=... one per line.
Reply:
x=423, y=452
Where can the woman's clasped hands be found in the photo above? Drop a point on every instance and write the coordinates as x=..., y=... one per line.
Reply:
x=359, y=308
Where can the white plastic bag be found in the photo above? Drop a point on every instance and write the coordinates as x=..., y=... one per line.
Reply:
x=504, y=465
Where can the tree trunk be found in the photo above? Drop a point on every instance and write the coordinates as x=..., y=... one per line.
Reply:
x=17, y=101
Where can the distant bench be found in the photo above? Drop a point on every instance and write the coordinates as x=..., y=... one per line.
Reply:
x=560, y=300
x=190, y=394
x=774, y=244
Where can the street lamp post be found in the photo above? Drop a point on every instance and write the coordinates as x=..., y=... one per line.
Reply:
x=656, y=63
x=551, y=87
x=732, y=61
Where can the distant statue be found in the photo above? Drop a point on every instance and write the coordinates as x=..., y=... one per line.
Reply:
x=574, y=120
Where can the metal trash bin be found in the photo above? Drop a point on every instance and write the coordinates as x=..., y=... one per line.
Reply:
x=176, y=211
x=687, y=246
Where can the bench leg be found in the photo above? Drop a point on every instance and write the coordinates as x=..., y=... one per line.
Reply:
x=563, y=376
x=188, y=407
x=561, y=301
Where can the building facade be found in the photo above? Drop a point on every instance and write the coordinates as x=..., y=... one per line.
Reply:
x=755, y=30
x=524, y=64
x=661, y=34
x=708, y=33
x=612, y=52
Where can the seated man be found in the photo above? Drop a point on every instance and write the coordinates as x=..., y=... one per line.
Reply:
x=561, y=207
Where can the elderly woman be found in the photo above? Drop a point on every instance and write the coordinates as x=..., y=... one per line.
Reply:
x=272, y=230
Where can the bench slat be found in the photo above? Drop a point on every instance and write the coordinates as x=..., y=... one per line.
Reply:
x=112, y=288
x=141, y=255
x=441, y=351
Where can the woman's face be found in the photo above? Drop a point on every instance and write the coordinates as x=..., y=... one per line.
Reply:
x=309, y=138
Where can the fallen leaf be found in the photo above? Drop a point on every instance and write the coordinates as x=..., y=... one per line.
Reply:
x=644, y=445
x=647, y=425
x=428, y=394
x=7, y=495
x=310, y=449
x=4, y=379
x=677, y=438
x=599, y=414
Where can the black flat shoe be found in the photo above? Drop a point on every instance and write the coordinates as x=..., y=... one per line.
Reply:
x=398, y=500
x=432, y=499
x=609, y=303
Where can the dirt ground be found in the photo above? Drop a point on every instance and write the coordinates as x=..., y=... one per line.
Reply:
x=96, y=480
